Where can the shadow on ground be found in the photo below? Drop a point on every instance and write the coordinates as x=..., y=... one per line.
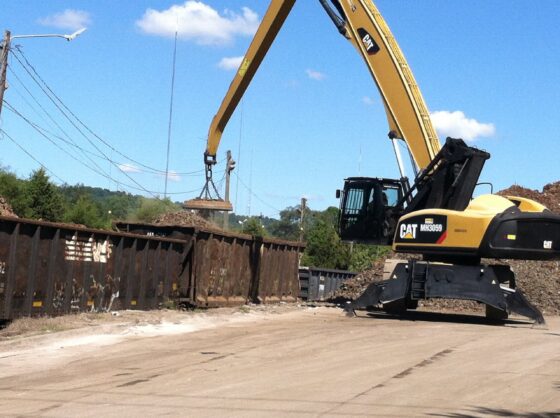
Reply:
x=479, y=411
x=443, y=317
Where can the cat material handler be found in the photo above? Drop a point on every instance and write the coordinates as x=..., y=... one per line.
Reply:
x=436, y=216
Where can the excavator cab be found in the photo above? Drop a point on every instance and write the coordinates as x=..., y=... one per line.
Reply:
x=367, y=209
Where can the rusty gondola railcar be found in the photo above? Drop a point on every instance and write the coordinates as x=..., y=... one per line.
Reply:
x=51, y=269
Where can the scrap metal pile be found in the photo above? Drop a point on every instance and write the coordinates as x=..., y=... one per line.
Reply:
x=539, y=280
x=5, y=208
x=184, y=218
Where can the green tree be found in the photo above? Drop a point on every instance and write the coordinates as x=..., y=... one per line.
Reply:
x=121, y=205
x=86, y=212
x=363, y=256
x=43, y=198
x=324, y=248
x=253, y=226
x=288, y=226
x=150, y=209
x=13, y=190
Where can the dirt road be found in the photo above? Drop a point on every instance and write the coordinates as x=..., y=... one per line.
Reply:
x=292, y=362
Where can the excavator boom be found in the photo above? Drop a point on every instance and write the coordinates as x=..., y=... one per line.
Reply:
x=406, y=110
x=271, y=24
x=360, y=22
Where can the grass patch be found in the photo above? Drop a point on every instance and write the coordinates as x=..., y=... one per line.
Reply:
x=244, y=309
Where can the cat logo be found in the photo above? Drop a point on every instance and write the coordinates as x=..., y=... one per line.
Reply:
x=408, y=231
x=369, y=43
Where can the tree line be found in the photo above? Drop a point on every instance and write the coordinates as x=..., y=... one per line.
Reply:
x=38, y=198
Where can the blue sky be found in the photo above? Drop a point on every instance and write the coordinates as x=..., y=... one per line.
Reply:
x=312, y=116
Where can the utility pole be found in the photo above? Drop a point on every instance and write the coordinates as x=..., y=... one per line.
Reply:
x=230, y=165
x=4, y=47
x=302, y=208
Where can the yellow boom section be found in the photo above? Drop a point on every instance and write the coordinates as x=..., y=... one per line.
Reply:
x=366, y=29
x=407, y=113
x=272, y=21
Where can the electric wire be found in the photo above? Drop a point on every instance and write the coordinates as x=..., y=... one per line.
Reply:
x=71, y=121
x=5, y=134
x=144, y=170
x=170, y=113
x=255, y=195
x=69, y=142
x=46, y=89
x=101, y=173
x=32, y=72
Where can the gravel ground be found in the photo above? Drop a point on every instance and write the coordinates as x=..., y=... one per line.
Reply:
x=304, y=362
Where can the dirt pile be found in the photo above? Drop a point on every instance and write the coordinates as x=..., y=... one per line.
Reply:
x=549, y=196
x=540, y=281
x=5, y=208
x=354, y=287
x=184, y=218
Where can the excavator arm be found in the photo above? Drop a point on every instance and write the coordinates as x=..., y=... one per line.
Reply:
x=271, y=24
x=407, y=114
x=360, y=22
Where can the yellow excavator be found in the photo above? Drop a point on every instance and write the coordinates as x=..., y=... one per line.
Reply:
x=436, y=216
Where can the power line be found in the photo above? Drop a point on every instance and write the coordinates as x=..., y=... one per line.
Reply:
x=50, y=94
x=255, y=195
x=101, y=173
x=170, y=113
x=146, y=169
x=103, y=141
x=70, y=140
x=30, y=155
x=69, y=120
x=44, y=131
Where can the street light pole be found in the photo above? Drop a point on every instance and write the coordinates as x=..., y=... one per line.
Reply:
x=5, y=50
x=5, y=47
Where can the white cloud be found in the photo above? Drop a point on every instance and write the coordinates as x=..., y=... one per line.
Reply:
x=457, y=125
x=369, y=101
x=68, y=19
x=173, y=176
x=199, y=22
x=315, y=75
x=292, y=84
x=129, y=168
x=230, y=63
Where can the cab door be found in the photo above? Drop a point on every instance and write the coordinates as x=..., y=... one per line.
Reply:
x=366, y=209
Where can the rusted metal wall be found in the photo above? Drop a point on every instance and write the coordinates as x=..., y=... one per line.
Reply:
x=48, y=268
x=318, y=284
x=278, y=265
x=232, y=269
